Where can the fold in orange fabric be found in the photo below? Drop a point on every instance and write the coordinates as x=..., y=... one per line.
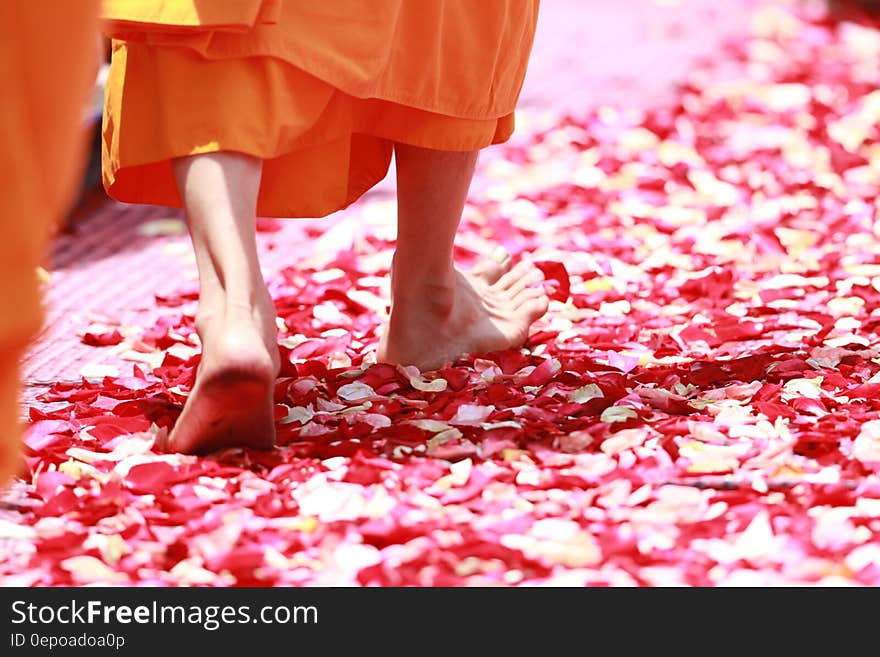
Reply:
x=321, y=94
x=125, y=19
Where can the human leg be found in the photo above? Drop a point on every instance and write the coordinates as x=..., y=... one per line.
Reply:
x=231, y=401
x=437, y=312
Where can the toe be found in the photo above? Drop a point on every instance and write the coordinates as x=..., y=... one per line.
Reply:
x=530, y=278
x=494, y=267
x=522, y=268
x=534, y=309
x=161, y=444
x=530, y=294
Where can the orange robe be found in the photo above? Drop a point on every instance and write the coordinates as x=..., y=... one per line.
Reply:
x=319, y=90
x=48, y=60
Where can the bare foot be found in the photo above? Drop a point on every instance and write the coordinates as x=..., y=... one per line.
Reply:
x=231, y=403
x=489, y=308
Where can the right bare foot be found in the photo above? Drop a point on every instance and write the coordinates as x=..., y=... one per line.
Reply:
x=489, y=308
x=231, y=403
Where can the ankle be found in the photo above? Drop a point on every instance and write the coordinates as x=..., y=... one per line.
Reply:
x=433, y=300
x=409, y=265
x=227, y=308
x=247, y=300
x=415, y=273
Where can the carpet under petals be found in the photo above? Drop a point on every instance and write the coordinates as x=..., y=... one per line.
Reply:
x=700, y=406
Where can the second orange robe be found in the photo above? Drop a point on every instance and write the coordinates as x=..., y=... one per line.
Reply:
x=48, y=62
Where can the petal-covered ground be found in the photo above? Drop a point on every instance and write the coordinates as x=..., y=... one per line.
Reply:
x=700, y=406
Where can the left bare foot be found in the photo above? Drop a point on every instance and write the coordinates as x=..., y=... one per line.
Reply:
x=231, y=403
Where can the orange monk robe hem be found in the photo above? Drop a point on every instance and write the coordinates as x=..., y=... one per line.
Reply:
x=322, y=111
